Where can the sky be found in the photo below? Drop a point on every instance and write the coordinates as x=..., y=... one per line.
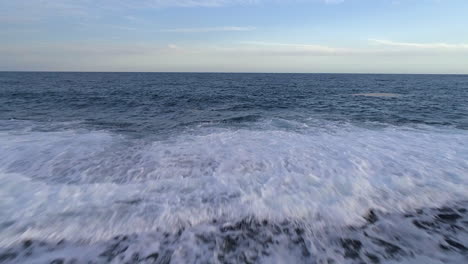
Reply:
x=316, y=36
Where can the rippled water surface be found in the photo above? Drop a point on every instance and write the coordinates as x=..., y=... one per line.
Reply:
x=233, y=168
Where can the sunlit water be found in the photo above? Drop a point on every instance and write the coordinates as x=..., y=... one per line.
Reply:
x=233, y=168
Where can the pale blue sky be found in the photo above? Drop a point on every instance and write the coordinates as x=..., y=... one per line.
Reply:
x=388, y=36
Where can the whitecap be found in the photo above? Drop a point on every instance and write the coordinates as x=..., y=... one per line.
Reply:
x=378, y=94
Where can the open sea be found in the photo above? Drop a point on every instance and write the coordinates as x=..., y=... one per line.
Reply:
x=233, y=168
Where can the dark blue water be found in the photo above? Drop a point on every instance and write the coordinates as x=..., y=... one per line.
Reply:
x=233, y=168
x=158, y=102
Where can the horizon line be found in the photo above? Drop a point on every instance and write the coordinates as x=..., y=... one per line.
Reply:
x=228, y=72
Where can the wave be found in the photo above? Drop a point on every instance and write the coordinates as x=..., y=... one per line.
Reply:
x=90, y=186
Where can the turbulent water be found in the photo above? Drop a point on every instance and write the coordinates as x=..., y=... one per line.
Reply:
x=233, y=168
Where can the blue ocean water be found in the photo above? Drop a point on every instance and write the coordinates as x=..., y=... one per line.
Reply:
x=233, y=168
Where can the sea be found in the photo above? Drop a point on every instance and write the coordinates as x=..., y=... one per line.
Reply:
x=233, y=168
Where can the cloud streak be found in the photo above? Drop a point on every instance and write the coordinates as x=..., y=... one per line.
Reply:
x=31, y=11
x=207, y=29
x=245, y=48
x=412, y=45
x=384, y=48
x=218, y=3
x=286, y=49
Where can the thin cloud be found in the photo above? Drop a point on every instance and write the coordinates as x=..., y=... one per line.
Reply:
x=284, y=49
x=195, y=3
x=413, y=45
x=83, y=49
x=207, y=29
x=388, y=48
x=30, y=11
x=291, y=45
x=218, y=3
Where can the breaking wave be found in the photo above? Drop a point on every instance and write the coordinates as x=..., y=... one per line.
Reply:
x=179, y=194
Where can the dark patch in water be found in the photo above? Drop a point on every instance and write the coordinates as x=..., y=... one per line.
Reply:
x=352, y=248
x=371, y=217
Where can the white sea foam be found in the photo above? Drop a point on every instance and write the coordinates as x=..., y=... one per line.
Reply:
x=92, y=185
x=377, y=94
